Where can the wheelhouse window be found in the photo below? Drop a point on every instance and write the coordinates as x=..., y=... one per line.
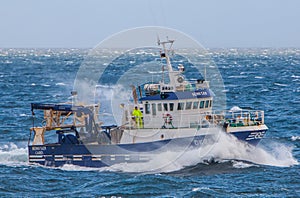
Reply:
x=195, y=104
x=201, y=105
x=210, y=103
x=159, y=107
x=171, y=105
x=166, y=106
x=206, y=103
x=188, y=105
x=153, y=109
x=180, y=106
x=147, y=108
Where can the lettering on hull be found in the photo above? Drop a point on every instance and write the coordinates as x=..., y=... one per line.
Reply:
x=255, y=135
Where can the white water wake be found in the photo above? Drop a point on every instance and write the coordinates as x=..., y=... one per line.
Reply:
x=222, y=148
x=225, y=148
x=271, y=154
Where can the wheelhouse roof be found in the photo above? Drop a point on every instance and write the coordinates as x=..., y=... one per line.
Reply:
x=56, y=107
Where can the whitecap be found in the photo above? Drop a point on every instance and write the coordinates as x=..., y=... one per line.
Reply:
x=60, y=84
x=8, y=62
x=239, y=164
x=259, y=77
x=200, y=188
x=71, y=167
x=295, y=138
x=235, y=108
x=237, y=76
x=12, y=155
x=281, y=85
x=154, y=72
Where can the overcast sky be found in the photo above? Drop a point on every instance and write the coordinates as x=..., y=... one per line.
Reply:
x=213, y=23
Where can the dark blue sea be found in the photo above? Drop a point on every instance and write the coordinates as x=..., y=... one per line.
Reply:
x=266, y=79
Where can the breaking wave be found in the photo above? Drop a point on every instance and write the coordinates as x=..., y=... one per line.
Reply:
x=12, y=155
x=225, y=149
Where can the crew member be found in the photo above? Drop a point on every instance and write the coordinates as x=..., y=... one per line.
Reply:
x=138, y=116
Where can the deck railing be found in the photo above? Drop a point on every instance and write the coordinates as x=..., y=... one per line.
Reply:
x=225, y=118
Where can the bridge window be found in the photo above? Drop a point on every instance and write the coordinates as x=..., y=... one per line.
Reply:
x=171, y=105
x=147, y=108
x=166, y=106
x=206, y=103
x=195, y=104
x=159, y=107
x=153, y=109
x=188, y=105
x=201, y=105
x=210, y=103
x=180, y=106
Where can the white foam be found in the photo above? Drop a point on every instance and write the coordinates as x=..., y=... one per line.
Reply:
x=237, y=76
x=154, y=72
x=280, y=84
x=11, y=155
x=71, y=167
x=295, y=138
x=60, y=84
x=276, y=154
x=200, y=188
x=23, y=115
x=294, y=76
x=225, y=148
x=240, y=164
x=259, y=77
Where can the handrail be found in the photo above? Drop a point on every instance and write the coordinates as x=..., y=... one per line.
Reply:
x=240, y=118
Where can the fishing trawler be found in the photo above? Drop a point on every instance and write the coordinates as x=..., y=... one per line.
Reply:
x=173, y=115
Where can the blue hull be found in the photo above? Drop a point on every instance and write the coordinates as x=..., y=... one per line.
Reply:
x=251, y=137
x=106, y=155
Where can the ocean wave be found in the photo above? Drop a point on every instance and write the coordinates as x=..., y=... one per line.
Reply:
x=12, y=155
x=241, y=76
x=259, y=77
x=60, y=84
x=154, y=72
x=241, y=164
x=295, y=138
x=281, y=85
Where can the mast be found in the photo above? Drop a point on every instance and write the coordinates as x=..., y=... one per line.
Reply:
x=165, y=54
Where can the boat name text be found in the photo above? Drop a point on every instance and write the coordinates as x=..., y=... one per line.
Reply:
x=43, y=148
x=200, y=93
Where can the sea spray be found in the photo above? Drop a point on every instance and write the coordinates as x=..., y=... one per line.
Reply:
x=220, y=148
x=12, y=155
x=229, y=147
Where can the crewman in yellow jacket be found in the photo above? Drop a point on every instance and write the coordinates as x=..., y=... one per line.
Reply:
x=138, y=116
